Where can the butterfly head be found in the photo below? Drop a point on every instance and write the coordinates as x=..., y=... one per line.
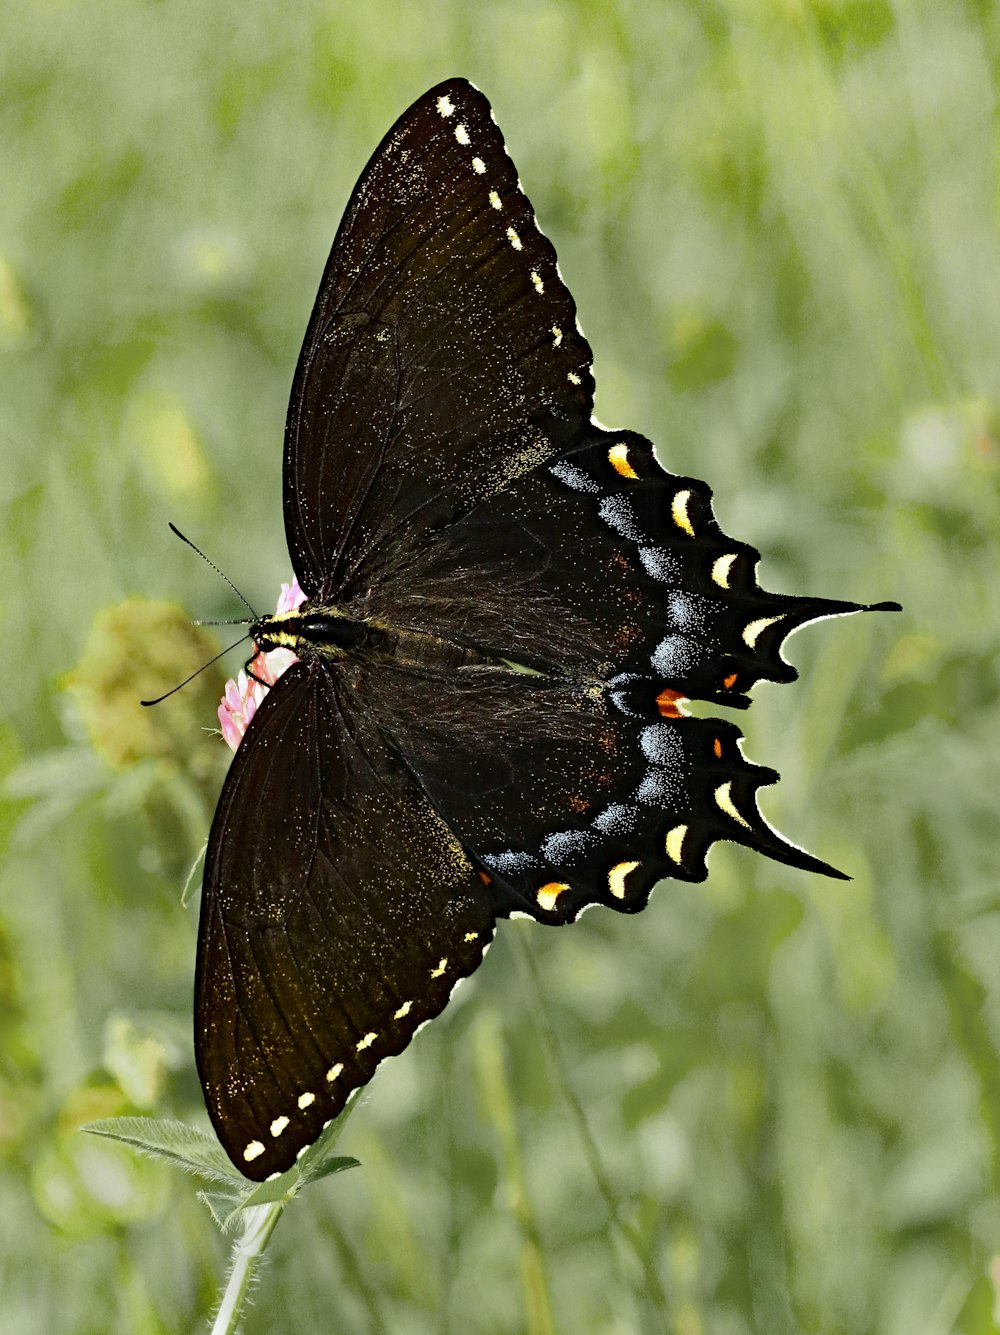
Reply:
x=309, y=631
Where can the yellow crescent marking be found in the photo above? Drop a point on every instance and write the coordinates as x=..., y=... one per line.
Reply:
x=724, y=801
x=753, y=631
x=549, y=893
x=556, y=335
x=675, y=842
x=721, y=568
x=334, y=1071
x=442, y=965
x=366, y=1042
x=462, y=135
x=403, y=1011
x=495, y=200
x=513, y=238
x=253, y=1151
x=616, y=878
x=278, y=1125
x=471, y=936
x=539, y=285
x=445, y=105
x=618, y=458
x=306, y=1099
x=679, y=512
x=478, y=166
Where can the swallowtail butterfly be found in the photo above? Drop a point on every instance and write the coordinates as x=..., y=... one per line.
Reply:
x=506, y=604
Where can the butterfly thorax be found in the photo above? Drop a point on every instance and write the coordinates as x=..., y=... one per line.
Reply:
x=325, y=632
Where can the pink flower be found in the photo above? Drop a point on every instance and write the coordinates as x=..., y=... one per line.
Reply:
x=243, y=696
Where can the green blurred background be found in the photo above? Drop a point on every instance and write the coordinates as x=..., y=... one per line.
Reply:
x=779, y=220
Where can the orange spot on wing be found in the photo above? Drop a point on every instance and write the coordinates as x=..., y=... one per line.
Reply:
x=666, y=703
x=486, y=880
x=717, y=748
x=730, y=681
x=577, y=803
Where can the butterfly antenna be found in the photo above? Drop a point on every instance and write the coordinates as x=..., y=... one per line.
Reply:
x=201, y=669
x=220, y=573
x=237, y=621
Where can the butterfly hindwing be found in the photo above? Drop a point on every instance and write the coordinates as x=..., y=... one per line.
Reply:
x=570, y=794
x=603, y=563
x=337, y=915
x=442, y=358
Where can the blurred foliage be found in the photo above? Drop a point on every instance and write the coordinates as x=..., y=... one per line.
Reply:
x=779, y=219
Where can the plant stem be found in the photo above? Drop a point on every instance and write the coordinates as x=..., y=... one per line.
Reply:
x=626, y=1231
x=247, y=1254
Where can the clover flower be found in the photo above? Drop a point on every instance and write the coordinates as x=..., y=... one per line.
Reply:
x=244, y=695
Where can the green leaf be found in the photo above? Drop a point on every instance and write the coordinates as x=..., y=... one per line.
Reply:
x=186, y=1147
x=223, y=1206
x=333, y=1164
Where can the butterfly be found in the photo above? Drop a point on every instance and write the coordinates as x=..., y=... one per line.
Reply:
x=506, y=604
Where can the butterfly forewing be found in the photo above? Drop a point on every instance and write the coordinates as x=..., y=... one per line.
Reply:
x=338, y=913
x=442, y=359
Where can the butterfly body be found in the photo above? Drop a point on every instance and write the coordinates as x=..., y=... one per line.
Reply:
x=505, y=605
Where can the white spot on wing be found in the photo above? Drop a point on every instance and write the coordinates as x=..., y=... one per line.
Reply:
x=445, y=106
x=334, y=1071
x=366, y=1042
x=513, y=238
x=306, y=1099
x=442, y=965
x=478, y=166
x=618, y=514
x=660, y=563
x=537, y=281
x=461, y=134
x=659, y=788
x=253, y=1151
x=495, y=200
x=661, y=744
x=685, y=610
x=574, y=477
x=403, y=1011
x=573, y=378
x=509, y=863
x=673, y=655
x=563, y=844
x=278, y=1125
x=556, y=336
x=616, y=819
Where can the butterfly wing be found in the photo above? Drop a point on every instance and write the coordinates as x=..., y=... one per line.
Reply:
x=601, y=563
x=338, y=913
x=442, y=358
x=570, y=794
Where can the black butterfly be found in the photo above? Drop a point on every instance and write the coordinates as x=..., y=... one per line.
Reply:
x=455, y=517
